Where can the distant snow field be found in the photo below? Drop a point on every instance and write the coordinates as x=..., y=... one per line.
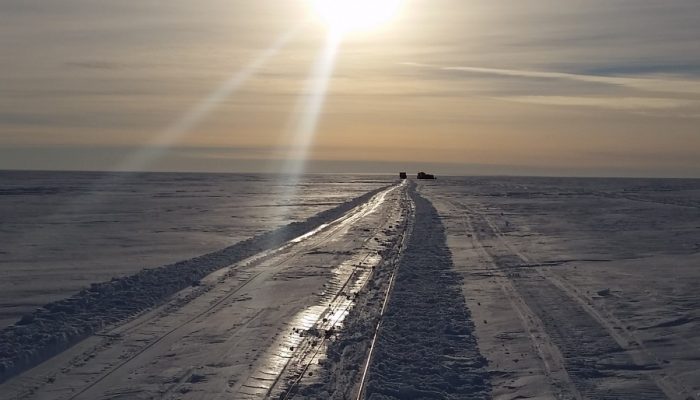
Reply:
x=62, y=231
x=348, y=287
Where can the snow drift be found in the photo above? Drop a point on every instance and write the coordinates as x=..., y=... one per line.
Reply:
x=61, y=324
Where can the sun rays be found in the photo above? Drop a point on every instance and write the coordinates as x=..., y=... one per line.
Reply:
x=341, y=18
x=183, y=125
x=345, y=16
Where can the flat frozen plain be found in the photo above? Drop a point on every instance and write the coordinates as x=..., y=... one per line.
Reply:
x=580, y=288
x=504, y=288
x=62, y=231
x=246, y=330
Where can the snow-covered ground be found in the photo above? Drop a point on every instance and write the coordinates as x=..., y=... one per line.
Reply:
x=426, y=346
x=248, y=330
x=457, y=288
x=580, y=288
x=62, y=231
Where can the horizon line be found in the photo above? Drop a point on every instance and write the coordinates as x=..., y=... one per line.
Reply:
x=382, y=173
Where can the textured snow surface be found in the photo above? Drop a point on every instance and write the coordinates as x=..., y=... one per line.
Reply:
x=426, y=346
x=347, y=352
x=62, y=231
x=58, y=325
x=580, y=288
x=505, y=288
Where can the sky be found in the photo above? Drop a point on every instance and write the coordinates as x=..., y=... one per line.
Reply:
x=459, y=87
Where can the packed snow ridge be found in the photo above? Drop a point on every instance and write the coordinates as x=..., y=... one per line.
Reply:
x=426, y=346
x=61, y=324
x=348, y=349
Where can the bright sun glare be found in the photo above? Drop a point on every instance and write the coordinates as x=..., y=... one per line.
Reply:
x=345, y=16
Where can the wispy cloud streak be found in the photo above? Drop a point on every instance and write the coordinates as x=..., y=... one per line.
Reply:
x=650, y=83
x=618, y=103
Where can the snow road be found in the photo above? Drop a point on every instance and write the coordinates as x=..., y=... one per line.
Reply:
x=426, y=347
x=499, y=289
x=257, y=329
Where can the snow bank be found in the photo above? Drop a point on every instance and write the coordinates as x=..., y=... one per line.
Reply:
x=426, y=347
x=59, y=325
x=346, y=352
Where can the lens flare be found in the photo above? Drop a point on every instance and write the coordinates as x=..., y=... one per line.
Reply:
x=182, y=126
x=310, y=106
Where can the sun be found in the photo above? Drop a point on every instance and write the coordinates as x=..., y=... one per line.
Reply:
x=345, y=16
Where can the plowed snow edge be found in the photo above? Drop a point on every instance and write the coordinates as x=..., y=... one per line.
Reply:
x=59, y=325
x=426, y=347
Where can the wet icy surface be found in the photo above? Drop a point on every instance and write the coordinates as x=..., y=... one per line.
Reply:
x=57, y=325
x=234, y=332
x=61, y=231
x=297, y=353
x=574, y=288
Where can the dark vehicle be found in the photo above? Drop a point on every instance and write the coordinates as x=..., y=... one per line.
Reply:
x=423, y=175
x=403, y=175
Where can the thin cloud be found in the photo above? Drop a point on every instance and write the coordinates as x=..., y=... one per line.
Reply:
x=650, y=84
x=620, y=103
x=95, y=64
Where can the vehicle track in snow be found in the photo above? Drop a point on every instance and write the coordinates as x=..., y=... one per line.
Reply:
x=426, y=347
x=345, y=357
x=322, y=235
x=593, y=347
x=59, y=325
x=643, y=358
x=309, y=350
x=138, y=345
x=408, y=230
x=552, y=360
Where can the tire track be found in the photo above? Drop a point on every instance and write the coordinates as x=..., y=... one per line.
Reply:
x=57, y=326
x=426, y=347
x=334, y=307
x=628, y=340
x=552, y=360
x=599, y=366
x=408, y=229
x=326, y=232
x=643, y=359
x=286, y=384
